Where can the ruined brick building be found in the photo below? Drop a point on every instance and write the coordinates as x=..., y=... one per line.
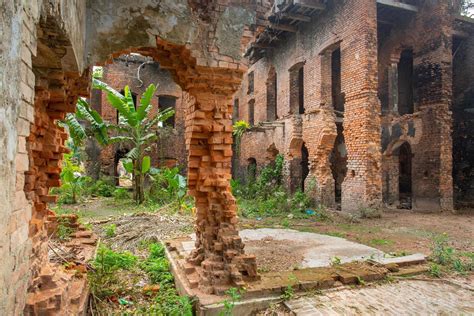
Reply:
x=364, y=113
x=138, y=73
x=340, y=72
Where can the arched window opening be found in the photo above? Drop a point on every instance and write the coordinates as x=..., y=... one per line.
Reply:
x=297, y=89
x=251, y=113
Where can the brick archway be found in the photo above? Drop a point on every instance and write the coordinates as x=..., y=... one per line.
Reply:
x=219, y=256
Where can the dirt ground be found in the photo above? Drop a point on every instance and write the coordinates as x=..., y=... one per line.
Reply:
x=396, y=230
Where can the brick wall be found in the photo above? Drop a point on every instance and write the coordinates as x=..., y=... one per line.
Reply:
x=352, y=27
x=369, y=57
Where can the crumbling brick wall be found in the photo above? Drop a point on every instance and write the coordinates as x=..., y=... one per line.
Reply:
x=370, y=54
x=352, y=28
x=203, y=56
x=427, y=128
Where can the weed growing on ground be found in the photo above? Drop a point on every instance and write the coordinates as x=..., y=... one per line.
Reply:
x=121, y=194
x=110, y=230
x=289, y=292
x=381, y=242
x=110, y=278
x=336, y=261
x=445, y=256
x=235, y=296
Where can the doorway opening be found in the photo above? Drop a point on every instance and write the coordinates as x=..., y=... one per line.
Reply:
x=338, y=162
x=304, y=165
x=404, y=176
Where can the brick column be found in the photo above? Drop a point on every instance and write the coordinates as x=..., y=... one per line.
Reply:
x=362, y=186
x=432, y=176
x=219, y=249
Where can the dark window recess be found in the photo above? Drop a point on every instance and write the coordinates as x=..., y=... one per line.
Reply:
x=337, y=96
x=252, y=112
x=166, y=102
x=272, y=95
x=235, y=111
x=134, y=98
x=297, y=89
x=300, y=91
x=250, y=80
x=405, y=83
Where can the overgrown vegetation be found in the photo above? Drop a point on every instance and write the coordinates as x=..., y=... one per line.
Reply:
x=265, y=196
x=135, y=129
x=446, y=259
x=117, y=277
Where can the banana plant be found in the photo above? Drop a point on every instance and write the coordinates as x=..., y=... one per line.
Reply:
x=135, y=128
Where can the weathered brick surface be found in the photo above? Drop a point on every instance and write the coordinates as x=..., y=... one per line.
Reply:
x=371, y=128
x=316, y=128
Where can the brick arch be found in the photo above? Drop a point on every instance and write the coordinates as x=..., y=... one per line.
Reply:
x=219, y=258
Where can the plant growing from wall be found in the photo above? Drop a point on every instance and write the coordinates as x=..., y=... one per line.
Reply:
x=134, y=128
x=239, y=129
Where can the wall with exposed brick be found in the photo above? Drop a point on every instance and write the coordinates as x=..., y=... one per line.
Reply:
x=428, y=128
x=370, y=53
x=43, y=59
x=352, y=27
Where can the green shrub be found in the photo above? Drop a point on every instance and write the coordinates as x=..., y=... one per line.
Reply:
x=110, y=230
x=121, y=194
x=157, y=266
x=104, y=278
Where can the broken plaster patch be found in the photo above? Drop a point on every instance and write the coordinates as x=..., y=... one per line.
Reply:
x=230, y=28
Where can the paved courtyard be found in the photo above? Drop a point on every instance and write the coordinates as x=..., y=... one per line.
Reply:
x=407, y=297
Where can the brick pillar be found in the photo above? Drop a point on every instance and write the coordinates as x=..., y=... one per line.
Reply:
x=219, y=249
x=432, y=164
x=362, y=186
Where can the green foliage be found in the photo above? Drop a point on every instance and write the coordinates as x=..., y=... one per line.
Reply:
x=444, y=255
x=265, y=196
x=169, y=303
x=435, y=270
x=135, y=129
x=157, y=266
x=381, y=242
x=97, y=72
x=168, y=186
x=235, y=295
x=64, y=231
x=72, y=181
x=121, y=194
x=102, y=187
x=104, y=277
x=110, y=230
x=239, y=129
x=336, y=261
